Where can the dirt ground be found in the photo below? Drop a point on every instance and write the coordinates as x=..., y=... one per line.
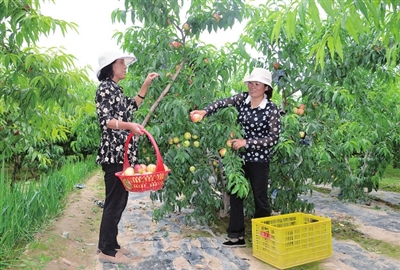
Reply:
x=70, y=242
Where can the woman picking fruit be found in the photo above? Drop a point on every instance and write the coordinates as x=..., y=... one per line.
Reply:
x=114, y=111
x=260, y=121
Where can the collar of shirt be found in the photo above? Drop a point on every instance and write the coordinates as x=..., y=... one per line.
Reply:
x=116, y=85
x=261, y=105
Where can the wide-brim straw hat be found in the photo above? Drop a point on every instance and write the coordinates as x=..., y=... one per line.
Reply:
x=108, y=57
x=259, y=75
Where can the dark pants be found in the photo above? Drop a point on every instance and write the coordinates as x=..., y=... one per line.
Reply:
x=257, y=173
x=114, y=205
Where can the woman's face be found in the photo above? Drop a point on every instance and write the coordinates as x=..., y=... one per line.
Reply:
x=256, y=89
x=119, y=70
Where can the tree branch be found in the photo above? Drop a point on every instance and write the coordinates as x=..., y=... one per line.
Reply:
x=162, y=95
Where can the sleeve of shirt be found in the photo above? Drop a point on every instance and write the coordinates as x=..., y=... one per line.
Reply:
x=132, y=105
x=104, y=100
x=274, y=125
x=223, y=103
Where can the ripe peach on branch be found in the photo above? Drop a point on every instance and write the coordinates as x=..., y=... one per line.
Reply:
x=217, y=17
x=186, y=26
x=175, y=44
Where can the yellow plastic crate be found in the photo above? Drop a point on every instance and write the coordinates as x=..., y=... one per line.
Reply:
x=292, y=239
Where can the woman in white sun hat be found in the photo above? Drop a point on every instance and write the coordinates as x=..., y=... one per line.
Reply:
x=261, y=125
x=114, y=112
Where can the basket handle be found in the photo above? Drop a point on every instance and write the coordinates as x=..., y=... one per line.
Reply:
x=159, y=162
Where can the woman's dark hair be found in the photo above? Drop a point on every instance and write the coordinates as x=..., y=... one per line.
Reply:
x=269, y=92
x=106, y=72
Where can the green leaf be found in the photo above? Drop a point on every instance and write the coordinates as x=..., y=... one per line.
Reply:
x=361, y=7
x=339, y=48
x=374, y=10
x=291, y=24
x=302, y=11
x=277, y=28
x=327, y=6
x=331, y=46
x=350, y=28
x=314, y=13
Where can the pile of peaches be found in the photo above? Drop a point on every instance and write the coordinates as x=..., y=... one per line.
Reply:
x=142, y=169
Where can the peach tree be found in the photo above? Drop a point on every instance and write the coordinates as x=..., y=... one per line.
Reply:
x=38, y=89
x=192, y=74
x=347, y=78
x=333, y=85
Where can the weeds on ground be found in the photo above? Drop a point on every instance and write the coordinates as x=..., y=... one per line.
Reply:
x=28, y=206
x=390, y=180
x=346, y=230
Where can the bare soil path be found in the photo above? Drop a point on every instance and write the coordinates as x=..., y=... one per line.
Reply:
x=71, y=241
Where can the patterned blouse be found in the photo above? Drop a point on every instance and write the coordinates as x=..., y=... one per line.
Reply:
x=261, y=125
x=112, y=103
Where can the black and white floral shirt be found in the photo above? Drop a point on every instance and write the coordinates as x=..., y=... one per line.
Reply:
x=261, y=125
x=112, y=103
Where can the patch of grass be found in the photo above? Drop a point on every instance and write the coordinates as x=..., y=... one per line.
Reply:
x=39, y=246
x=188, y=232
x=346, y=230
x=321, y=189
x=390, y=180
x=343, y=229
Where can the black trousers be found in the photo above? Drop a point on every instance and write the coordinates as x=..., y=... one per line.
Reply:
x=257, y=173
x=114, y=204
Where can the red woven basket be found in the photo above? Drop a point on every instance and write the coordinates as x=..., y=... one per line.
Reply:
x=143, y=182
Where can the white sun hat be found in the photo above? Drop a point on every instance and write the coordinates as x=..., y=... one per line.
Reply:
x=259, y=75
x=108, y=57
